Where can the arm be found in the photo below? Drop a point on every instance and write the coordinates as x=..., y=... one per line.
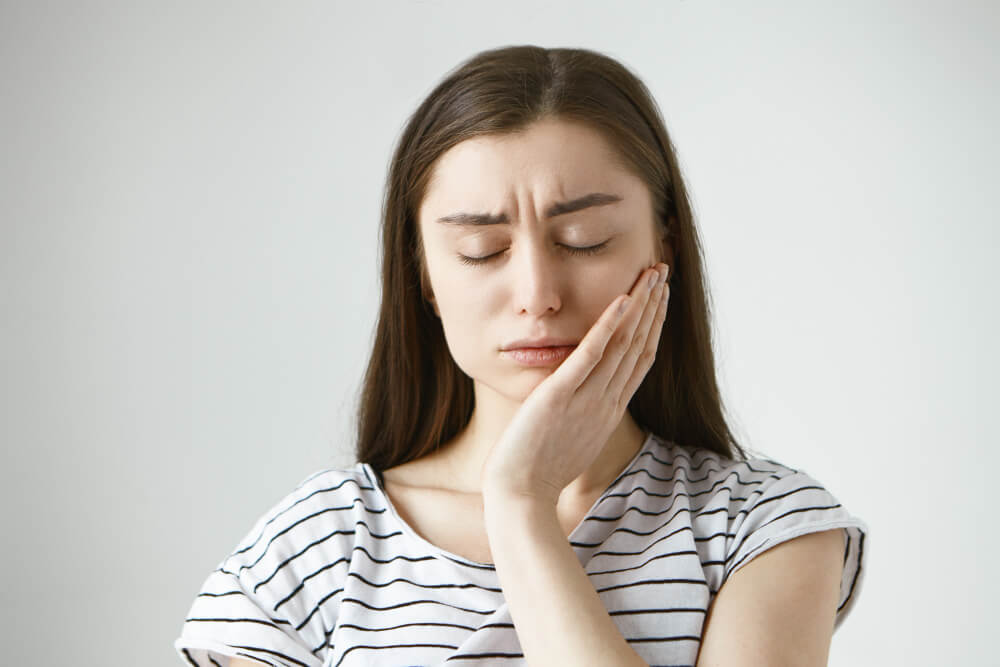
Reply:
x=558, y=615
x=778, y=610
x=558, y=431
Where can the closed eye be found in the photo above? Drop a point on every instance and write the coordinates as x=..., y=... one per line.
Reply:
x=574, y=250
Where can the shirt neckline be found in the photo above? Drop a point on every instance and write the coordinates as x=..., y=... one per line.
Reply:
x=438, y=551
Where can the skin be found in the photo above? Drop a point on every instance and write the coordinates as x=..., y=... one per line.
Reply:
x=536, y=287
x=541, y=436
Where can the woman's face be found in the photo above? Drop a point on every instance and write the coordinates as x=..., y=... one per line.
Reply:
x=525, y=201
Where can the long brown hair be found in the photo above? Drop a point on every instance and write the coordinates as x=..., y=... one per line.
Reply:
x=414, y=397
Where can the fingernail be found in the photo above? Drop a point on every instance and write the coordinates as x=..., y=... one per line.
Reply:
x=653, y=277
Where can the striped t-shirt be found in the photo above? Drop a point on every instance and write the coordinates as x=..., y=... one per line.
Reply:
x=331, y=576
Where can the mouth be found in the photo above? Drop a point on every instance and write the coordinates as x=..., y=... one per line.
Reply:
x=539, y=356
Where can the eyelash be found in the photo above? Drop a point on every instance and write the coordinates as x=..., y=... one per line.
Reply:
x=589, y=250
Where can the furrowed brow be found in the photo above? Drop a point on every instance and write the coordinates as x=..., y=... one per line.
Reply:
x=558, y=208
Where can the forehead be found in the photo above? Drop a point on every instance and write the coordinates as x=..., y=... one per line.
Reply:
x=550, y=159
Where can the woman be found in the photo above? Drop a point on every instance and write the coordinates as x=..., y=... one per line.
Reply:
x=545, y=472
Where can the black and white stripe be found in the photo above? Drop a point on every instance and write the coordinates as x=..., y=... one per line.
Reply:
x=332, y=577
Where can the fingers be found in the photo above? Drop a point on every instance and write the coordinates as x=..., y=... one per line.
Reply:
x=577, y=367
x=612, y=351
x=652, y=342
x=638, y=355
x=615, y=354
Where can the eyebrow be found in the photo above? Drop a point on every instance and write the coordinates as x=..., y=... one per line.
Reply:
x=558, y=208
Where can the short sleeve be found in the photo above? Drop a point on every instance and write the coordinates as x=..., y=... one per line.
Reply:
x=783, y=508
x=254, y=604
x=227, y=619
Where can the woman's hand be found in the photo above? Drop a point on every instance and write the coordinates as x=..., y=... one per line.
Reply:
x=564, y=423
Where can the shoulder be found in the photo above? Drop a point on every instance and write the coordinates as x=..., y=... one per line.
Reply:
x=743, y=487
x=279, y=583
x=322, y=507
x=324, y=490
x=709, y=475
x=741, y=509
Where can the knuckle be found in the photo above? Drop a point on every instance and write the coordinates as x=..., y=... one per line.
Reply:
x=591, y=356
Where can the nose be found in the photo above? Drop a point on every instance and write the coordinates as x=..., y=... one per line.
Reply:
x=537, y=281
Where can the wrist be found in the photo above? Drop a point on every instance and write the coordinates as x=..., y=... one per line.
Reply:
x=502, y=491
x=499, y=502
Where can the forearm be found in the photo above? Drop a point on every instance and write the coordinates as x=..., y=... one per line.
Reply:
x=558, y=615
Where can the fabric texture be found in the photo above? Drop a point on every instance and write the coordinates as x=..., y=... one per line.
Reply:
x=331, y=576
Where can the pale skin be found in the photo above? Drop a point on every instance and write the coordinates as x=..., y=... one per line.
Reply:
x=544, y=442
x=534, y=284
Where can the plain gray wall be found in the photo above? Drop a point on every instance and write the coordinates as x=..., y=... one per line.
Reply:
x=188, y=277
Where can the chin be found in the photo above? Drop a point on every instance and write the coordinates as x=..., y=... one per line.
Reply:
x=514, y=387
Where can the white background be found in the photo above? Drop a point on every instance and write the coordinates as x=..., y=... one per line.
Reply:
x=190, y=195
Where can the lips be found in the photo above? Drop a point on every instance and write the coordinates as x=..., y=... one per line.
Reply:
x=539, y=356
x=548, y=341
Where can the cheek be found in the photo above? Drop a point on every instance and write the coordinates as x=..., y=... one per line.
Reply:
x=598, y=288
x=463, y=317
x=461, y=303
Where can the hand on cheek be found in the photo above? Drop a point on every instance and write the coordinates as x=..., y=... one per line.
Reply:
x=563, y=424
